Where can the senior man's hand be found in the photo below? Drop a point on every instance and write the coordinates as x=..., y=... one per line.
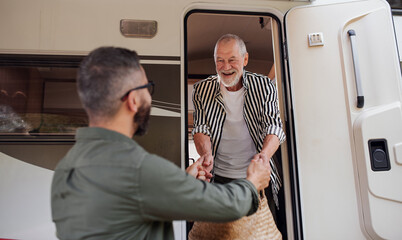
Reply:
x=198, y=171
x=207, y=161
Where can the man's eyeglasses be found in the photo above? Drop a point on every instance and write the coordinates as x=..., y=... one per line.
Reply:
x=150, y=85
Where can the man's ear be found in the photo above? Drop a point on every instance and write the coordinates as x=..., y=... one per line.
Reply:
x=132, y=102
x=245, y=60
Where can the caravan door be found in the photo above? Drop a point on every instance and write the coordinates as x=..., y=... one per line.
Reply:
x=345, y=86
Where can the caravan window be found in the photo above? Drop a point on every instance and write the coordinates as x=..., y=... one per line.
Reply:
x=395, y=4
x=38, y=96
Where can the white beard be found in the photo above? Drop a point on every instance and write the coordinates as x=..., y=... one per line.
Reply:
x=235, y=81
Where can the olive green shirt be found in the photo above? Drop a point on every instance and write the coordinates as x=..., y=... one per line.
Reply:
x=109, y=187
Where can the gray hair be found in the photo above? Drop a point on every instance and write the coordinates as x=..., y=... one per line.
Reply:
x=103, y=78
x=227, y=38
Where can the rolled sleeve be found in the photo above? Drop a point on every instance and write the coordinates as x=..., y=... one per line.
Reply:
x=274, y=130
x=204, y=129
x=200, y=122
x=272, y=124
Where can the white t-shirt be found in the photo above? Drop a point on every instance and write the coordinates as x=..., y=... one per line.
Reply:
x=236, y=148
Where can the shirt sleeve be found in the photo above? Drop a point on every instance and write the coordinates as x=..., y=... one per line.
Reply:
x=271, y=123
x=200, y=122
x=169, y=193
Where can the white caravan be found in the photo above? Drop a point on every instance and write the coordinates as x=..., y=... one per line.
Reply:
x=335, y=64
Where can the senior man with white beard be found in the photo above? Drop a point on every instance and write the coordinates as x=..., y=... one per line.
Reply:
x=236, y=117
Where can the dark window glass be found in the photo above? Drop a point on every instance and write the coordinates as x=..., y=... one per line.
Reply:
x=395, y=4
x=39, y=100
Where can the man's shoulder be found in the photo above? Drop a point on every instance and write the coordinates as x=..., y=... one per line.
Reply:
x=251, y=75
x=257, y=80
x=211, y=80
x=103, y=153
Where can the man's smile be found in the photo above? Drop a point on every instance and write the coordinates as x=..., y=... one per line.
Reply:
x=228, y=73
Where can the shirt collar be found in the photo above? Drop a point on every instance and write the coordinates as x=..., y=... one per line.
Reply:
x=245, y=80
x=92, y=133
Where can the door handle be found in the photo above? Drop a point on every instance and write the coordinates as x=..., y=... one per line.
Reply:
x=359, y=89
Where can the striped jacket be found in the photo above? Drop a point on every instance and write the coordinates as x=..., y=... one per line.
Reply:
x=261, y=113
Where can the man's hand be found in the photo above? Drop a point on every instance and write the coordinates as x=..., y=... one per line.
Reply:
x=259, y=172
x=198, y=171
x=262, y=156
x=203, y=145
x=207, y=162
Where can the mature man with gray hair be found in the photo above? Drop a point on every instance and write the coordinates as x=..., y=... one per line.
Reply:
x=109, y=187
x=236, y=117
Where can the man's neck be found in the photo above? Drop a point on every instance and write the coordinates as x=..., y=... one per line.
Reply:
x=115, y=125
x=236, y=87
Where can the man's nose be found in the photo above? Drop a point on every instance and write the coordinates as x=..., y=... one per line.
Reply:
x=226, y=66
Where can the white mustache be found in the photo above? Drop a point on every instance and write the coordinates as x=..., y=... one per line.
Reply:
x=229, y=71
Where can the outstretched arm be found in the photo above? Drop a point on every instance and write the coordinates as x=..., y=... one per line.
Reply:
x=168, y=193
x=271, y=144
x=203, y=145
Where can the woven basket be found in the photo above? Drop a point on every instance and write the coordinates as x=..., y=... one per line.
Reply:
x=259, y=226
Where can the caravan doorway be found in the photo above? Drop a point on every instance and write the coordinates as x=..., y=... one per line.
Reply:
x=262, y=36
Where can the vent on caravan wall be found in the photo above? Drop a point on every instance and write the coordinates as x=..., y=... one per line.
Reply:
x=138, y=28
